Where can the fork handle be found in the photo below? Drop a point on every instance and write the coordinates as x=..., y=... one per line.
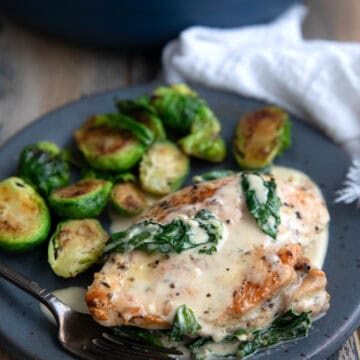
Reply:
x=56, y=306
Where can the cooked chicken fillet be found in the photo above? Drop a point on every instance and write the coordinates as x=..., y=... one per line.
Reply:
x=250, y=279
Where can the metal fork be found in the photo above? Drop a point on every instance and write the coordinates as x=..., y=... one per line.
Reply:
x=81, y=335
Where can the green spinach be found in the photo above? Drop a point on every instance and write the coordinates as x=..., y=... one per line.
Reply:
x=212, y=175
x=176, y=236
x=142, y=335
x=286, y=327
x=185, y=323
x=266, y=213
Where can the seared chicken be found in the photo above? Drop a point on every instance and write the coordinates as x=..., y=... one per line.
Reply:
x=250, y=279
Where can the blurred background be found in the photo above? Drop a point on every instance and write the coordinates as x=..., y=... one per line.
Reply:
x=53, y=52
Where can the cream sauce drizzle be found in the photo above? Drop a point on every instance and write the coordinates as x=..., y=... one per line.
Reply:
x=73, y=296
x=257, y=185
x=316, y=248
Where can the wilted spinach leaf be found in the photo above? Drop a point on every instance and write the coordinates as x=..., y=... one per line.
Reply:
x=212, y=175
x=149, y=336
x=286, y=327
x=265, y=210
x=185, y=323
x=176, y=236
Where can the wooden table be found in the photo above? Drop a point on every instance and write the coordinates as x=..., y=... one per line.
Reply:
x=38, y=74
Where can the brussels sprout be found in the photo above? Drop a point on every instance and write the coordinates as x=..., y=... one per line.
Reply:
x=127, y=199
x=261, y=136
x=24, y=216
x=107, y=148
x=183, y=112
x=141, y=110
x=75, y=246
x=163, y=168
x=177, y=107
x=204, y=146
x=44, y=166
x=86, y=198
x=123, y=122
x=113, y=177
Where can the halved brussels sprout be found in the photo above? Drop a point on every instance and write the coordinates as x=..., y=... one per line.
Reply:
x=107, y=148
x=177, y=106
x=141, y=110
x=203, y=145
x=86, y=198
x=163, y=168
x=44, y=166
x=24, y=216
x=261, y=136
x=184, y=112
x=113, y=177
x=75, y=246
x=127, y=199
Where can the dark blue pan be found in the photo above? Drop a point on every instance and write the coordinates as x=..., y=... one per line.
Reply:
x=133, y=23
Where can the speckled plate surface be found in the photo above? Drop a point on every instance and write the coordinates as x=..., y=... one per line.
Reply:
x=29, y=335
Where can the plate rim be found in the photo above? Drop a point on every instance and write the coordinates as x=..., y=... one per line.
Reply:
x=329, y=346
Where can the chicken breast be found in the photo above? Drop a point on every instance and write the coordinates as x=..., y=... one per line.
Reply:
x=250, y=279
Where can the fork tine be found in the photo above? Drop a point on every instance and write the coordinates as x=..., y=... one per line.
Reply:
x=116, y=349
x=141, y=346
x=83, y=354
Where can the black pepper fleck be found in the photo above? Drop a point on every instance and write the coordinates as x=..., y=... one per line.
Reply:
x=298, y=215
x=172, y=285
x=208, y=295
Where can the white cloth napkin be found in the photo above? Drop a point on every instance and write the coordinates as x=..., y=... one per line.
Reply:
x=317, y=80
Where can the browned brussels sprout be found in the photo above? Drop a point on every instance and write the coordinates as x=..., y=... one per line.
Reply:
x=108, y=148
x=44, y=166
x=141, y=110
x=86, y=198
x=261, y=136
x=24, y=216
x=163, y=168
x=127, y=199
x=75, y=246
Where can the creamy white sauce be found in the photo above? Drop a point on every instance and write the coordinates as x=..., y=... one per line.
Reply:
x=256, y=184
x=209, y=281
x=73, y=296
x=316, y=248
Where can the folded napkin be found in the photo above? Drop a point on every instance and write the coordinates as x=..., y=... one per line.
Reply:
x=317, y=80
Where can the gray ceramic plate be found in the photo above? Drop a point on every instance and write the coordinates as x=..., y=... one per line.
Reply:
x=25, y=331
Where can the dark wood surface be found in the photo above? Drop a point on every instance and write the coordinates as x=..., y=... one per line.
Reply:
x=38, y=74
